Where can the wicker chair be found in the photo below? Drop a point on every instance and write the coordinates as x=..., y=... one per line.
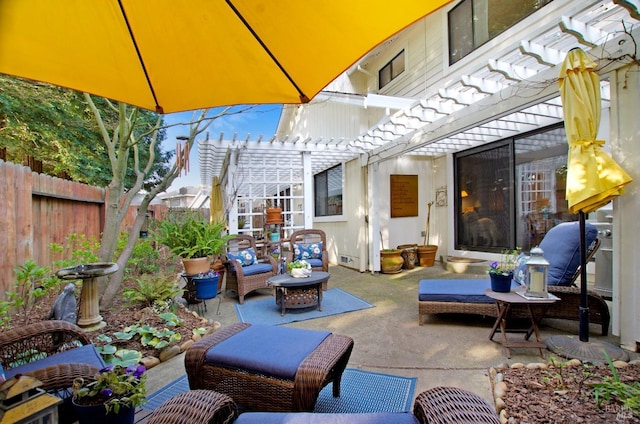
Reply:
x=440, y=405
x=308, y=237
x=450, y=405
x=241, y=279
x=195, y=407
x=46, y=338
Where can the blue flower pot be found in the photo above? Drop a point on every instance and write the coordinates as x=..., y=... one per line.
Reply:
x=97, y=414
x=206, y=288
x=501, y=283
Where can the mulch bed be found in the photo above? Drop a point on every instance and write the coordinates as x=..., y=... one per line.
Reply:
x=564, y=395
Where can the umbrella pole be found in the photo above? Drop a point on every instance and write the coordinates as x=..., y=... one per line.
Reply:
x=584, y=305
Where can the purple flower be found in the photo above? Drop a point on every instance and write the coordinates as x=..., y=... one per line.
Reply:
x=106, y=369
x=106, y=392
x=494, y=265
x=136, y=371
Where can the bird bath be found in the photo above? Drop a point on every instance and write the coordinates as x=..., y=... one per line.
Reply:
x=89, y=318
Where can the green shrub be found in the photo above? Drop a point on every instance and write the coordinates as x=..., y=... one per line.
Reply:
x=144, y=257
x=152, y=288
x=78, y=249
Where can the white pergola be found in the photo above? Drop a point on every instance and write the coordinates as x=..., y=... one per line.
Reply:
x=514, y=92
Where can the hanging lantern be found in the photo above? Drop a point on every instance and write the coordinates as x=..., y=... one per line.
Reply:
x=537, y=273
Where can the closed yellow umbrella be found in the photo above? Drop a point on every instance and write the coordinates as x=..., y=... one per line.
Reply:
x=171, y=55
x=216, y=208
x=593, y=177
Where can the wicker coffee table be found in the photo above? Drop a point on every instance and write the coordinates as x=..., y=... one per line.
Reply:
x=298, y=292
x=259, y=392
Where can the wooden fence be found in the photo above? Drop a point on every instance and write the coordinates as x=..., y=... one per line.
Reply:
x=38, y=210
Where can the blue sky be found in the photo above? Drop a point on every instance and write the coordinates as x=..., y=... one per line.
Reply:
x=261, y=120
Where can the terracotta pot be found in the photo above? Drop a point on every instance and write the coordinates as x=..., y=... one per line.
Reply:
x=196, y=265
x=274, y=216
x=427, y=254
x=391, y=261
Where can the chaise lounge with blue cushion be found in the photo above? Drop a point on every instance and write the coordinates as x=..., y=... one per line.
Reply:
x=561, y=246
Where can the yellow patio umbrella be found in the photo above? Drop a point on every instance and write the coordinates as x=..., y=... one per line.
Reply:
x=593, y=177
x=216, y=208
x=170, y=55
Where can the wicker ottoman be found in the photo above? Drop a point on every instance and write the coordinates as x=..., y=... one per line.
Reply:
x=256, y=391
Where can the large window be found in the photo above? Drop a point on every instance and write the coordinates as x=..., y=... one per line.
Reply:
x=474, y=22
x=510, y=193
x=328, y=192
x=391, y=70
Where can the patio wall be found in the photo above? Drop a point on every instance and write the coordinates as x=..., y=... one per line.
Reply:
x=38, y=210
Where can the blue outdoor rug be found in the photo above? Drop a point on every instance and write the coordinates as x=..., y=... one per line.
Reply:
x=360, y=392
x=265, y=311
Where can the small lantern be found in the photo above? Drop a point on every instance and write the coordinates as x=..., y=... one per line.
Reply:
x=537, y=272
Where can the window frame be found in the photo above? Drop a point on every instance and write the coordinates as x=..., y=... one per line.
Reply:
x=474, y=31
x=389, y=66
x=328, y=216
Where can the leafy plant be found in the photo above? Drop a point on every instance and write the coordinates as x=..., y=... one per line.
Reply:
x=144, y=258
x=188, y=235
x=32, y=283
x=114, y=356
x=610, y=387
x=149, y=336
x=78, y=249
x=298, y=263
x=151, y=288
x=506, y=264
x=114, y=386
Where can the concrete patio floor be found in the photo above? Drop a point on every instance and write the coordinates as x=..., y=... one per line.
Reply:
x=448, y=350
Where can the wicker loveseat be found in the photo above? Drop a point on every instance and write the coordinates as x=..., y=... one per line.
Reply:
x=440, y=405
x=561, y=247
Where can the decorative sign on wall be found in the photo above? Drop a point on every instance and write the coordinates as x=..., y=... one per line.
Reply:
x=441, y=196
x=404, y=195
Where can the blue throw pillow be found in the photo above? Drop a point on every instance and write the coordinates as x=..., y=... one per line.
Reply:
x=561, y=247
x=520, y=270
x=244, y=257
x=308, y=251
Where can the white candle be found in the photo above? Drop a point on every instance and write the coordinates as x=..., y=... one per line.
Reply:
x=536, y=281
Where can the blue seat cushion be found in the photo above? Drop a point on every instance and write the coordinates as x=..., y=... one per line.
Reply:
x=86, y=354
x=315, y=263
x=465, y=290
x=257, y=268
x=266, y=349
x=312, y=418
x=561, y=247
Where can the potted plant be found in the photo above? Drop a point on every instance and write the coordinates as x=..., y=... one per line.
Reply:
x=206, y=284
x=299, y=268
x=111, y=397
x=190, y=236
x=501, y=272
x=391, y=261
